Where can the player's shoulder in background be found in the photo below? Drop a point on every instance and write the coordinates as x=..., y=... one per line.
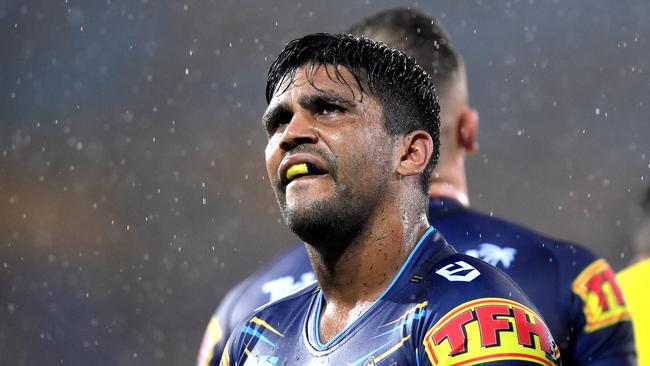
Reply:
x=288, y=272
x=575, y=290
x=276, y=314
x=293, y=261
x=508, y=241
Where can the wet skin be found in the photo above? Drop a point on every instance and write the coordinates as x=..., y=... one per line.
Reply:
x=362, y=185
x=339, y=133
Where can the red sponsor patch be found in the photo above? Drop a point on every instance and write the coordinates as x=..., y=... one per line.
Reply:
x=603, y=302
x=490, y=329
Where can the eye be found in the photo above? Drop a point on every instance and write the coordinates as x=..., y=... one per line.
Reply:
x=276, y=121
x=329, y=108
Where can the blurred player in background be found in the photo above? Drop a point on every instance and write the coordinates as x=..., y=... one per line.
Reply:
x=635, y=281
x=575, y=291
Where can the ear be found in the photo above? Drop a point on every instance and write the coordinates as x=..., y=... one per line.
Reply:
x=468, y=130
x=417, y=148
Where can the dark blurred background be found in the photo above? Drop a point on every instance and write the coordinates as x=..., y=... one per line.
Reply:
x=132, y=183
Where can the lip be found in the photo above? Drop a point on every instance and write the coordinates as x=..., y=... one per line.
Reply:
x=290, y=160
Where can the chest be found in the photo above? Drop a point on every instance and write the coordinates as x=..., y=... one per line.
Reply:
x=386, y=334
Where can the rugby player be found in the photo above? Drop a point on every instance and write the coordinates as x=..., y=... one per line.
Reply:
x=635, y=281
x=353, y=131
x=559, y=277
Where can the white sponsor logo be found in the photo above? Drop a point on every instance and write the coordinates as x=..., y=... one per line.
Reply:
x=494, y=254
x=283, y=286
x=459, y=272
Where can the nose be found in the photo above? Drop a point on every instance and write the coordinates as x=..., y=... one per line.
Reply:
x=300, y=130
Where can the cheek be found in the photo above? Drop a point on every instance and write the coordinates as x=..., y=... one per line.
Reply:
x=375, y=153
x=363, y=158
x=271, y=156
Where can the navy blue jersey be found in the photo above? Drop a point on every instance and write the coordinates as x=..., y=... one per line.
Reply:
x=575, y=291
x=288, y=272
x=442, y=308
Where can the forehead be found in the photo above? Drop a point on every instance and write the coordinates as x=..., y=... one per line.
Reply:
x=312, y=78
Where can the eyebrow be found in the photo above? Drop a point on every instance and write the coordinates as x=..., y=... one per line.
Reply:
x=307, y=101
x=323, y=97
x=277, y=111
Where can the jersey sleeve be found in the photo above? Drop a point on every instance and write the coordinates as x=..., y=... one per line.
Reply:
x=498, y=331
x=267, y=284
x=230, y=355
x=225, y=356
x=603, y=330
x=219, y=328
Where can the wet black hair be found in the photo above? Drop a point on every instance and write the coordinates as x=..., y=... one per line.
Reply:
x=404, y=90
x=419, y=36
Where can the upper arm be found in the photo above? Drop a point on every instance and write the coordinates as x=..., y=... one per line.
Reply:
x=603, y=331
x=488, y=330
x=225, y=356
x=219, y=329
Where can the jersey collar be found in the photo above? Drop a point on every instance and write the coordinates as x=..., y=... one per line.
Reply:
x=431, y=241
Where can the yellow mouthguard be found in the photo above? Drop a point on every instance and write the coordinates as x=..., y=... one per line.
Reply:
x=296, y=170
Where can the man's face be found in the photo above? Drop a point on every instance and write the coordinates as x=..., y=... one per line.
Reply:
x=329, y=157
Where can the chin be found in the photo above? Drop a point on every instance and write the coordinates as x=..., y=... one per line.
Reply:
x=308, y=191
x=304, y=202
x=302, y=216
x=313, y=221
x=322, y=223
x=322, y=215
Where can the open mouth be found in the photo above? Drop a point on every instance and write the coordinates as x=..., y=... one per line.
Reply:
x=301, y=169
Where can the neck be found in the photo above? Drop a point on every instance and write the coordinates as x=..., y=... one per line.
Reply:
x=366, y=266
x=351, y=279
x=450, y=183
x=447, y=190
